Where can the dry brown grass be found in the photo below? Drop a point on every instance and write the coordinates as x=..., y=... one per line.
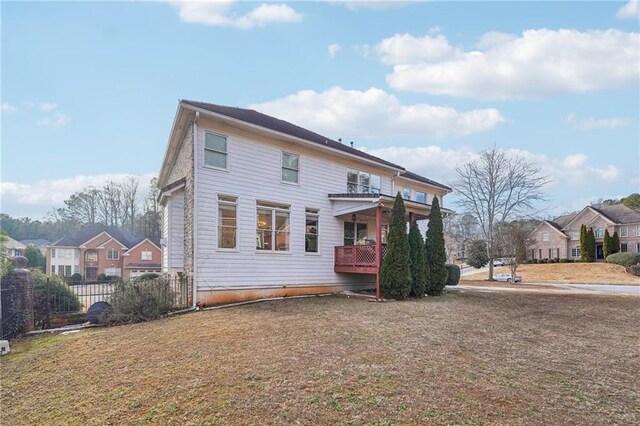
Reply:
x=589, y=273
x=464, y=358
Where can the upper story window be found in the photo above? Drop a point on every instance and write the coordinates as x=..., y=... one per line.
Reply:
x=227, y=222
x=272, y=227
x=90, y=256
x=215, y=150
x=575, y=235
x=311, y=231
x=146, y=255
x=406, y=193
x=624, y=231
x=53, y=251
x=545, y=236
x=290, y=167
x=113, y=254
x=638, y=231
x=359, y=182
x=421, y=197
x=599, y=232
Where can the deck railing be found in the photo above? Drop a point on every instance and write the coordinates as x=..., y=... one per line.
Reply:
x=358, y=258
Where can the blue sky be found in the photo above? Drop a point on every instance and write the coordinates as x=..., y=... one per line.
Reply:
x=89, y=90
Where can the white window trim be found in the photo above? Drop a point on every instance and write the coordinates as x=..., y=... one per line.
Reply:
x=317, y=214
x=638, y=231
x=282, y=167
x=358, y=184
x=236, y=249
x=146, y=251
x=544, y=236
x=426, y=197
x=273, y=226
x=204, y=149
x=624, y=231
x=408, y=196
x=113, y=251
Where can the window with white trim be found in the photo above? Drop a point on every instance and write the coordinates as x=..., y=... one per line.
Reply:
x=421, y=197
x=623, y=248
x=290, y=167
x=545, y=236
x=215, y=150
x=359, y=182
x=624, y=231
x=312, y=231
x=53, y=269
x=272, y=226
x=638, y=231
x=575, y=235
x=575, y=252
x=53, y=251
x=146, y=255
x=406, y=193
x=227, y=221
x=599, y=233
x=113, y=254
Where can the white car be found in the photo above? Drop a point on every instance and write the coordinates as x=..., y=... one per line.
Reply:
x=507, y=277
x=498, y=262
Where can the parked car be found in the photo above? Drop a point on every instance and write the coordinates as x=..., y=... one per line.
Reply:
x=507, y=277
x=498, y=262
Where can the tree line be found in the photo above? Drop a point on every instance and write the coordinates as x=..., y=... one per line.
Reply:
x=122, y=205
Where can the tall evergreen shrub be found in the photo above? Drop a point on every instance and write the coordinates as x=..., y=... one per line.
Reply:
x=584, y=244
x=418, y=262
x=615, y=243
x=606, y=244
x=435, y=252
x=591, y=245
x=395, y=274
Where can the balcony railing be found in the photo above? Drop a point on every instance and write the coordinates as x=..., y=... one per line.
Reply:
x=357, y=259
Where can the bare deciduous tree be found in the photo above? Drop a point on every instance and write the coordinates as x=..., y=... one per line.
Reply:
x=129, y=191
x=511, y=241
x=495, y=188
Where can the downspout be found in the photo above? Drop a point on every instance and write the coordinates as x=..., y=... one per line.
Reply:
x=195, y=211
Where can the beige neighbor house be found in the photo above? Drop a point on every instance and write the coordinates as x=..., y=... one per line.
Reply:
x=14, y=248
x=560, y=238
x=256, y=207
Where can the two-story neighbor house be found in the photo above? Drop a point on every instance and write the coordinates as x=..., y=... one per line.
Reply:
x=560, y=238
x=256, y=207
x=14, y=248
x=105, y=250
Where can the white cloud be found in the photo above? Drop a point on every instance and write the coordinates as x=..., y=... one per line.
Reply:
x=374, y=113
x=405, y=48
x=53, y=192
x=630, y=10
x=55, y=120
x=372, y=4
x=333, y=50
x=590, y=123
x=218, y=13
x=47, y=106
x=440, y=163
x=538, y=63
x=7, y=107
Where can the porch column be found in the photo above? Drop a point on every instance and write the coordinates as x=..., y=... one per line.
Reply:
x=411, y=218
x=378, y=248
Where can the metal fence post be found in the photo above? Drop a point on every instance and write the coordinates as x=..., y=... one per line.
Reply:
x=47, y=321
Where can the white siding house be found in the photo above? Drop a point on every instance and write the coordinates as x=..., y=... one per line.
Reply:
x=256, y=207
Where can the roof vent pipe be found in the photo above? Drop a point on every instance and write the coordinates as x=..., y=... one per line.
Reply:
x=351, y=144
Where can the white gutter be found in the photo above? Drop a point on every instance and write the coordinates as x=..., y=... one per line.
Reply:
x=241, y=123
x=195, y=209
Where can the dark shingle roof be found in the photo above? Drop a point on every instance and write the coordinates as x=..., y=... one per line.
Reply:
x=77, y=238
x=272, y=123
x=142, y=265
x=37, y=242
x=620, y=213
x=413, y=176
x=562, y=221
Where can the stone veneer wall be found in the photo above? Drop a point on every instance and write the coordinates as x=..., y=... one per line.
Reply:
x=183, y=167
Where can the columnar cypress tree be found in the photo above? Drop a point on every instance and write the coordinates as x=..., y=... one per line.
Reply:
x=435, y=252
x=395, y=274
x=615, y=243
x=584, y=244
x=591, y=245
x=606, y=244
x=418, y=261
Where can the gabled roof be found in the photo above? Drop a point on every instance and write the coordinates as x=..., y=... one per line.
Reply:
x=37, y=242
x=619, y=213
x=552, y=225
x=268, y=122
x=81, y=236
x=562, y=221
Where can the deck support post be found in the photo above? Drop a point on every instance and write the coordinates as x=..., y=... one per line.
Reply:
x=411, y=218
x=378, y=249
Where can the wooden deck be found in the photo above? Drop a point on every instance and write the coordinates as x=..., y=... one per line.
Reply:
x=358, y=259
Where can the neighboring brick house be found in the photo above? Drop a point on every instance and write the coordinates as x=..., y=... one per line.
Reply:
x=102, y=250
x=560, y=238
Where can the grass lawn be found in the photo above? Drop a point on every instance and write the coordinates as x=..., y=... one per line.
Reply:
x=591, y=273
x=465, y=358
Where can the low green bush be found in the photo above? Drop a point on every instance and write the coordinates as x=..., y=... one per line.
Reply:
x=564, y=261
x=534, y=261
x=101, y=278
x=454, y=274
x=61, y=297
x=141, y=300
x=635, y=269
x=76, y=278
x=624, y=259
x=147, y=276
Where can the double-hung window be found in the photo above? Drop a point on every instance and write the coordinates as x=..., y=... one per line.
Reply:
x=575, y=252
x=113, y=254
x=227, y=222
x=215, y=150
x=421, y=197
x=623, y=248
x=406, y=193
x=624, y=231
x=545, y=236
x=272, y=227
x=146, y=255
x=311, y=231
x=599, y=232
x=359, y=182
x=290, y=167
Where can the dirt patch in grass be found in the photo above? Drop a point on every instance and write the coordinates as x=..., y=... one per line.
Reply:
x=464, y=358
x=588, y=273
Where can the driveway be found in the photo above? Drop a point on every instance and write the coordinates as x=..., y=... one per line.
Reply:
x=558, y=288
